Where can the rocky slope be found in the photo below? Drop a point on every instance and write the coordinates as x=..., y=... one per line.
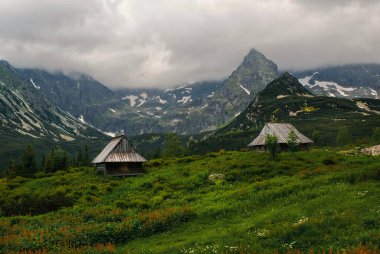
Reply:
x=26, y=116
x=345, y=81
x=188, y=109
x=191, y=108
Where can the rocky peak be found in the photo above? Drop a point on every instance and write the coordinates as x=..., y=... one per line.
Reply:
x=284, y=86
x=254, y=57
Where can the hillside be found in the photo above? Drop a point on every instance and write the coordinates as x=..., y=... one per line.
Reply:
x=286, y=100
x=27, y=117
x=259, y=205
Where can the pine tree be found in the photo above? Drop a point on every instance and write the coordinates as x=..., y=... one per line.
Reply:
x=376, y=135
x=79, y=160
x=43, y=161
x=344, y=137
x=315, y=136
x=28, y=161
x=292, y=142
x=65, y=160
x=60, y=159
x=49, y=163
x=157, y=153
x=271, y=145
x=86, y=157
x=173, y=146
x=11, y=168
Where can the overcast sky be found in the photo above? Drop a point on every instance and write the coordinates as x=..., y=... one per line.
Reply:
x=162, y=43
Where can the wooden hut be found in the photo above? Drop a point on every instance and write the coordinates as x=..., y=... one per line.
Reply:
x=281, y=131
x=119, y=158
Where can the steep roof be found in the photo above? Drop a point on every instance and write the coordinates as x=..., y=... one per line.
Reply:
x=281, y=130
x=119, y=149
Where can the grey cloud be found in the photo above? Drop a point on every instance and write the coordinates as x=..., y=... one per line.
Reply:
x=161, y=43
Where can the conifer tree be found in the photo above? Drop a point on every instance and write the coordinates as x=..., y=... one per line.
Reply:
x=79, y=160
x=271, y=145
x=157, y=153
x=292, y=142
x=173, y=146
x=315, y=136
x=28, y=161
x=49, y=163
x=86, y=157
x=11, y=168
x=43, y=161
x=376, y=135
x=344, y=137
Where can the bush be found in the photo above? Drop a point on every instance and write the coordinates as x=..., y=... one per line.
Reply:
x=328, y=162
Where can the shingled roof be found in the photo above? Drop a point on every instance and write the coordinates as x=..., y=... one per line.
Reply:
x=281, y=130
x=119, y=149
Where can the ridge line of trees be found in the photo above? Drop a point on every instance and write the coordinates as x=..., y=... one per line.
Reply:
x=56, y=159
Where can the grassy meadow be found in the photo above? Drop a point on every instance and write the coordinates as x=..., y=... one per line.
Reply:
x=224, y=202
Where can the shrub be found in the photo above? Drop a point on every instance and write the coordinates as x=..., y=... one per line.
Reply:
x=328, y=162
x=271, y=144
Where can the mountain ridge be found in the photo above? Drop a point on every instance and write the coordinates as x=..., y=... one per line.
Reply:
x=27, y=117
x=189, y=109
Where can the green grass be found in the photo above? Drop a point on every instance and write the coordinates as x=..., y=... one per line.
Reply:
x=317, y=199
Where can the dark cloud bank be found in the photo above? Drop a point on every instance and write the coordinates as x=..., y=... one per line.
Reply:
x=161, y=43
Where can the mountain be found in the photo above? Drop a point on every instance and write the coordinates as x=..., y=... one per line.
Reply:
x=286, y=100
x=285, y=86
x=27, y=117
x=252, y=75
x=192, y=108
x=187, y=109
x=345, y=81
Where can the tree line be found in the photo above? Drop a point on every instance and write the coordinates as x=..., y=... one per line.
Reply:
x=56, y=159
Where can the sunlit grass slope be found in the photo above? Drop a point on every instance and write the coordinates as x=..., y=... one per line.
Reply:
x=317, y=199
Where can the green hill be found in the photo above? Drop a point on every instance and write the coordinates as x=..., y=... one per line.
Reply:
x=286, y=100
x=316, y=200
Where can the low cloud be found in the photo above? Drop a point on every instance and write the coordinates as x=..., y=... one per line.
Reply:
x=162, y=43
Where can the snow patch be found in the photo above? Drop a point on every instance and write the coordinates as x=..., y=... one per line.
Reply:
x=364, y=105
x=111, y=134
x=34, y=84
x=185, y=99
x=373, y=92
x=181, y=87
x=326, y=85
x=26, y=133
x=211, y=95
x=245, y=89
x=160, y=100
x=81, y=118
x=67, y=138
x=281, y=96
x=158, y=108
x=114, y=111
x=204, y=106
x=132, y=99
x=144, y=95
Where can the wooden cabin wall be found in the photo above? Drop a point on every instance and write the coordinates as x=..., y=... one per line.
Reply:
x=124, y=168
